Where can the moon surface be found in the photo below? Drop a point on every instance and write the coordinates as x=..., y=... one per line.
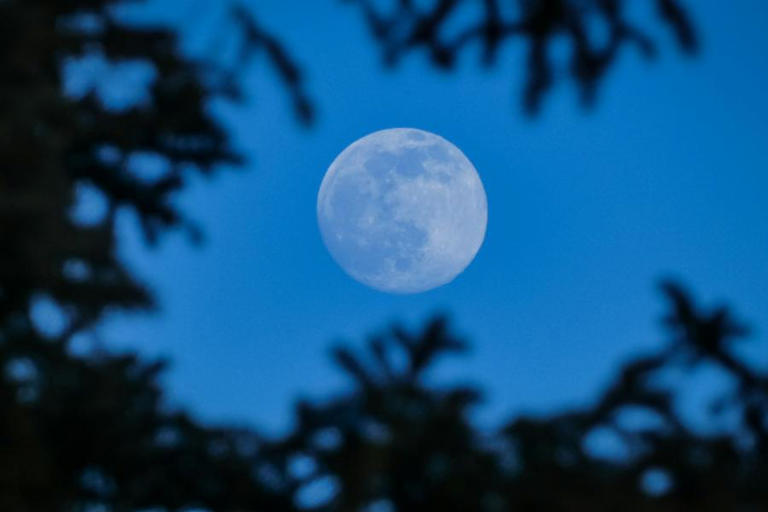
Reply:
x=402, y=210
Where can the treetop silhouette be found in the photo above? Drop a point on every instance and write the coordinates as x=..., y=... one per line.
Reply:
x=94, y=430
x=596, y=30
x=97, y=431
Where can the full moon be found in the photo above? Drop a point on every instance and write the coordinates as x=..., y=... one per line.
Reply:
x=402, y=210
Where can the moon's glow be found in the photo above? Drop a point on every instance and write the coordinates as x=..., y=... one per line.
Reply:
x=402, y=210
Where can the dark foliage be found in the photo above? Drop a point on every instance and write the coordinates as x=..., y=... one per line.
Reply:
x=76, y=430
x=407, y=25
x=83, y=149
x=85, y=431
x=410, y=445
x=79, y=431
x=82, y=432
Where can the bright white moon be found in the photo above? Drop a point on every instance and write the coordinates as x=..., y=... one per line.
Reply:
x=402, y=210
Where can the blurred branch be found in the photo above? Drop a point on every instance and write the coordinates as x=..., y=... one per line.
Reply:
x=256, y=38
x=407, y=26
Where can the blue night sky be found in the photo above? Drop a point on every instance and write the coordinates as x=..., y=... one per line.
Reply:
x=587, y=210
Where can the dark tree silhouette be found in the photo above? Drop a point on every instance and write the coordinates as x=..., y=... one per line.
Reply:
x=397, y=443
x=406, y=25
x=80, y=432
x=82, y=429
x=92, y=431
x=58, y=146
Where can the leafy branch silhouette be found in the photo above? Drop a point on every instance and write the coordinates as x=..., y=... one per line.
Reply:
x=398, y=442
x=407, y=25
x=69, y=151
x=82, y=431
x=95, y=430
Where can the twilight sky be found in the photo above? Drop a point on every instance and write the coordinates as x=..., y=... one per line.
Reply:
x=667, y=176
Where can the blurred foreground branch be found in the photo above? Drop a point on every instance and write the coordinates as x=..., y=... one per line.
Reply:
x=596, y=32
x=93, y=430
